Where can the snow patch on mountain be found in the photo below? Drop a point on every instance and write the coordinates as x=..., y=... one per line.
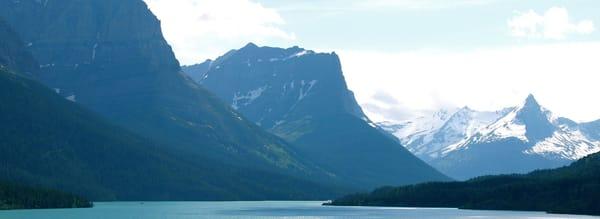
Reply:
x=463, y=124
x=301, y=53
x=411, y=129
x=429, y=136
x=247, y=98
x=570, y=145
x=304, y=92
x=414, y=133
x=295, y=55
x=94, y=49
x=506, y=127
x=72, y=98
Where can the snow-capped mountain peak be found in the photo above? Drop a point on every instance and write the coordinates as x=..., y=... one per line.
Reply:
x=470, y=143
x=420, y=125
x=249, y=45
x=530, y=101
x=427, y=136
x=529, y=123
x=532, y=106
x=526, y=122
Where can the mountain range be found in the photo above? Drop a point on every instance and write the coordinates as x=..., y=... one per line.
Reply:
x=465, y=143
x=95, y=103
x=49, y=140
x=301, y=96
x=118, y=76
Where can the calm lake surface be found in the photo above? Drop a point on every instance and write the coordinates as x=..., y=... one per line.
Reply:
x=249, y=210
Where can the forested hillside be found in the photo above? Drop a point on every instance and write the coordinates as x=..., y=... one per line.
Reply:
x=14, y=196
x=574, y=189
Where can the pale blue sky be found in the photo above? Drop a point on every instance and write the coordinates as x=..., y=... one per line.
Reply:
x=427, y=54
x=407, y=24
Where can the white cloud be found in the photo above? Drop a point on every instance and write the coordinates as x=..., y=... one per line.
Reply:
x=555, y=23
x=564, y=77
x=361, y=5
x=191, y=26
x=421, y=4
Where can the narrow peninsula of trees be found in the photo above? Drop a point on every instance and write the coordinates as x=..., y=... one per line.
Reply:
x=14, y=196
x=574, y=189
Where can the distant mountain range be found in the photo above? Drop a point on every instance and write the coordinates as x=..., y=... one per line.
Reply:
x=465, y=143
x=302, y=96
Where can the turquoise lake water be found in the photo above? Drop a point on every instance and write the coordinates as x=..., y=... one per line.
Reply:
x=251, y=210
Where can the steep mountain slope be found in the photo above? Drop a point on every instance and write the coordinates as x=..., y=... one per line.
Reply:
x=198, y=71
x=57, y=144
x=569, y=190
x=52, y=142
x=471, y=143
x=12, y=52
x=302, y=96
x=110, y=57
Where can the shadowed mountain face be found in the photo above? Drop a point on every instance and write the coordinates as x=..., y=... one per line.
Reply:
x=197, y=71
x=536, y=120
x=302, y=97
x=592, y=129
x=50, y=141
x=13, y=54
x=110, y=56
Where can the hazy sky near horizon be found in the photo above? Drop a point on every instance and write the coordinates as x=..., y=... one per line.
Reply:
x=407, y=57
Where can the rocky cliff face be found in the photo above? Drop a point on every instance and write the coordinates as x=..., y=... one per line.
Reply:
x=272, y=85
x=104, y=53
x=302, y=96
